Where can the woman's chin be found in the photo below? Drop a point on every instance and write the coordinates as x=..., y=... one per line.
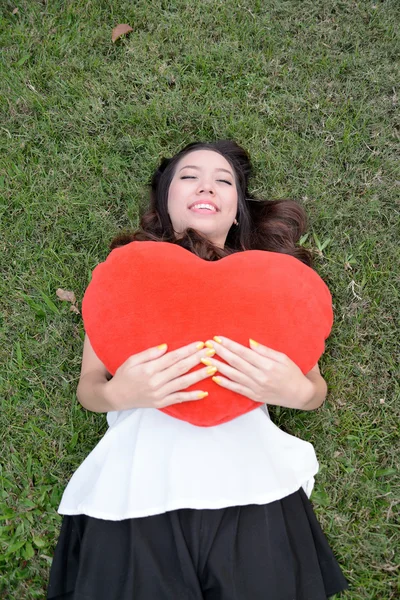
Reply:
x=201, y=226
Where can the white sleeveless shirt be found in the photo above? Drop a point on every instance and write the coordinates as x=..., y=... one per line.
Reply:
x=149, y=463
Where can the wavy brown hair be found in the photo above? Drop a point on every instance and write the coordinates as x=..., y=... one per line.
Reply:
x=272, y=225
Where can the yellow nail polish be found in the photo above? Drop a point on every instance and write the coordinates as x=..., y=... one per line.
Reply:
x=217, y=339
x=210, y=352
x=209, y=345
x=211, y=370
x=161, y=347
x=200, y=346
x=253, y=343
x=201, y=395
x=217, y=379
x=206, y=362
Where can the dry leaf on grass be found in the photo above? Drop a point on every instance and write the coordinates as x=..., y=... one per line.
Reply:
x=119, y=30
x=66, y=295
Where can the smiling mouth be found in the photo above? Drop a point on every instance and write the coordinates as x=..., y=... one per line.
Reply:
x=203, y=208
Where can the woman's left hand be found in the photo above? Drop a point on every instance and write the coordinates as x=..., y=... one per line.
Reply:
x=260, y=373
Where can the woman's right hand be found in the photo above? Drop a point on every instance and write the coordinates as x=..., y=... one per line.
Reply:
x=155, y=378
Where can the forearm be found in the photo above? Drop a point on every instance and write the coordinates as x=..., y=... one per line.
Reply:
x=308, y=395
x=94, y=394
x=315, y=395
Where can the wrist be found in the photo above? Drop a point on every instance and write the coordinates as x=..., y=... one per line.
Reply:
x=307, y=393
x=107, y=393
x=315, y=392
x=94, y=393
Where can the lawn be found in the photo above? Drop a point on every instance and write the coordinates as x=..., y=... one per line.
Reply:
x=310, y=89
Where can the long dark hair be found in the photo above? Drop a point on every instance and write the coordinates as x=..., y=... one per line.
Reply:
x=274, y=225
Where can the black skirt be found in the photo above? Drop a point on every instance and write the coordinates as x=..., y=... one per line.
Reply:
x=275, y=551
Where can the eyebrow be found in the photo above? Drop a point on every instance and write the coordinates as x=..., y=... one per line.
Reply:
x=198, y=168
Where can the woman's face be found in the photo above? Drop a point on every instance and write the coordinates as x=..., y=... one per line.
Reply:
x=203, y=195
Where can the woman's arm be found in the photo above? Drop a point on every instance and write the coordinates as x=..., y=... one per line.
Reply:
x=92, y=387
x=265, y=375
x=317, y=391
x=152, y=378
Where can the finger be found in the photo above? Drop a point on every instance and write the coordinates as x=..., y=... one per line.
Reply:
x=245, y=378
x=268, y=352
x=180, y=368
x=250, y=354
x=160, y=360
x=241, y=358
x=235, y=387
x=180, y=397
x=147, y=355
x=175, y=356
x=181, y=383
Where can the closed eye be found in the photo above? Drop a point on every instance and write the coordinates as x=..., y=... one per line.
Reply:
x=192, y=177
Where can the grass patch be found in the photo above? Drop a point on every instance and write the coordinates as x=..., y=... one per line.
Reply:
x=309, y=88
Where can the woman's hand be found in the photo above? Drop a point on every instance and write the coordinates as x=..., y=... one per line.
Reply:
x=265, y=375
x=154, y=378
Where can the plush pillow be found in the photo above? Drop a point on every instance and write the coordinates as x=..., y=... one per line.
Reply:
x=149, y=293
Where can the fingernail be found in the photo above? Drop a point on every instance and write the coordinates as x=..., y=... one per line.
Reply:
x=161, y=347
x=217, y=339
x=210, y=352
x=216, y=379
x=206, y=362
x=201, y=395
x=253, y=343
x=200, y=346
x=209, y=345
x=211, y=370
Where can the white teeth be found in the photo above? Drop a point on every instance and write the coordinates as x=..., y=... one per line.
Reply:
x=208, y=206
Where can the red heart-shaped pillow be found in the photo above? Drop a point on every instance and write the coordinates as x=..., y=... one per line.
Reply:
x=148, y=293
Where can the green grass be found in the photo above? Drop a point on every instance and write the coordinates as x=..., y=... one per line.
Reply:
x=309, y=88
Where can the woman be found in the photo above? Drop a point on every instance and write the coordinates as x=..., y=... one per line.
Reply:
x=165, y=510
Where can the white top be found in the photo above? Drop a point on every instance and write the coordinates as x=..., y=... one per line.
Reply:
x=149, y=463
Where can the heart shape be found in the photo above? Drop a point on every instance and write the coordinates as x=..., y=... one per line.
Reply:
x=148, y=293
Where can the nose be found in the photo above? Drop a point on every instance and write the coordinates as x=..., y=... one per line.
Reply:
x=205, y=187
